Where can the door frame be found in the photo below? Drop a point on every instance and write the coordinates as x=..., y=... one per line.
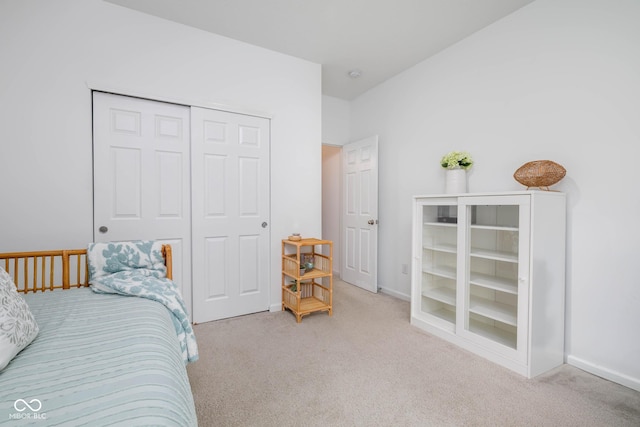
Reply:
x=135, y=93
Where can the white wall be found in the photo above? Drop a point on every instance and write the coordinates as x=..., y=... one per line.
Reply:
x=336, y=118
x=558, y=80
x=50, y=50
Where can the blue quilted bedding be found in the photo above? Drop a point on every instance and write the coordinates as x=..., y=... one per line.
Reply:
x=137, y=269
x=99, y=359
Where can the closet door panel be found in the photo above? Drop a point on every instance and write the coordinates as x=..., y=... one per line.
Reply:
x=230, y=188
x=141, y=183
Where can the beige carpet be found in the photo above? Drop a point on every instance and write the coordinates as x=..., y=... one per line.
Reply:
x=367, y=366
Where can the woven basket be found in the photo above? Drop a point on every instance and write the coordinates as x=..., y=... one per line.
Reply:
x=539, y=173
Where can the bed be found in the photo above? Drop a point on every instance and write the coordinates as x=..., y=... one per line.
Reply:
x=100, y=356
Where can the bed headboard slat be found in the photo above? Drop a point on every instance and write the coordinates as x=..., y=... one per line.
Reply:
x=59, y=278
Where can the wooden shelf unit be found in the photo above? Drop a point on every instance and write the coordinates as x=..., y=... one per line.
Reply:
x=307, y=291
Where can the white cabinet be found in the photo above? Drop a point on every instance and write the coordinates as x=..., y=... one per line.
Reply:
x=488, y=275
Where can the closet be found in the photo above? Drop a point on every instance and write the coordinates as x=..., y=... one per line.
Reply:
x=193, y=177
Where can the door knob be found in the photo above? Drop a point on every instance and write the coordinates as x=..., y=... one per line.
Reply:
x=264, y=224
x=371, y=222
x=103, y=229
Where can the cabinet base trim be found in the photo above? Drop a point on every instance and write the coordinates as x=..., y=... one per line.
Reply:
x=472, y=347
x=606, y=373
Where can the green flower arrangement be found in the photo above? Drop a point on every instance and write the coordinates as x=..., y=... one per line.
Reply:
x=457, y=160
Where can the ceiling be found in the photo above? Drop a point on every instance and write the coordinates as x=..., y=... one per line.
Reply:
x=380, y=38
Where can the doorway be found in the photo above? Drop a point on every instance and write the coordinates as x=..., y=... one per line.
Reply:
x=350, y=209
x=331, y=193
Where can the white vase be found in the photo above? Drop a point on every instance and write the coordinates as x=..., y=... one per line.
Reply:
x=455, y=181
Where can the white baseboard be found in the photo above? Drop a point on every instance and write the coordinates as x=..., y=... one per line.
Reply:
x=601, y=371
x=275, y=307
x=395, y=294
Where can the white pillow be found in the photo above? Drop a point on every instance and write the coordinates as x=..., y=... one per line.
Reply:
x=18, y=327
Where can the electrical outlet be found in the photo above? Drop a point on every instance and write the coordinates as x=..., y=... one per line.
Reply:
x=405, y=269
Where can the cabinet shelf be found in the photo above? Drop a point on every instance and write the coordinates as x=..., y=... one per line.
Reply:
x=446, y=315
x=494, y=255
x=494, y=310
x=492, y=333
x=444, y=295
x=441, y=224
x=494, y=227
x=441, y=271
x=494, y=282
x=442, y=247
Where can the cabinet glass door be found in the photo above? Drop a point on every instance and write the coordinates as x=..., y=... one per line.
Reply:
x=495, y=282
x=438, y=263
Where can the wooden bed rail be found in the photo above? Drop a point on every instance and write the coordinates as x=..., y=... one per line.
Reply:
x=59, y=269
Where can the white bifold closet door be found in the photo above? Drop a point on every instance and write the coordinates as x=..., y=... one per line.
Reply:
x=197, y=179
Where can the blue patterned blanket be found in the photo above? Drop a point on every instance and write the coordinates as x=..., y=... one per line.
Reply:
x=137, y=269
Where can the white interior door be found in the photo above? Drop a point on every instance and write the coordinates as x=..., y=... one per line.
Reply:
x=230, y=193
x=141, y=174
x=359, y=246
